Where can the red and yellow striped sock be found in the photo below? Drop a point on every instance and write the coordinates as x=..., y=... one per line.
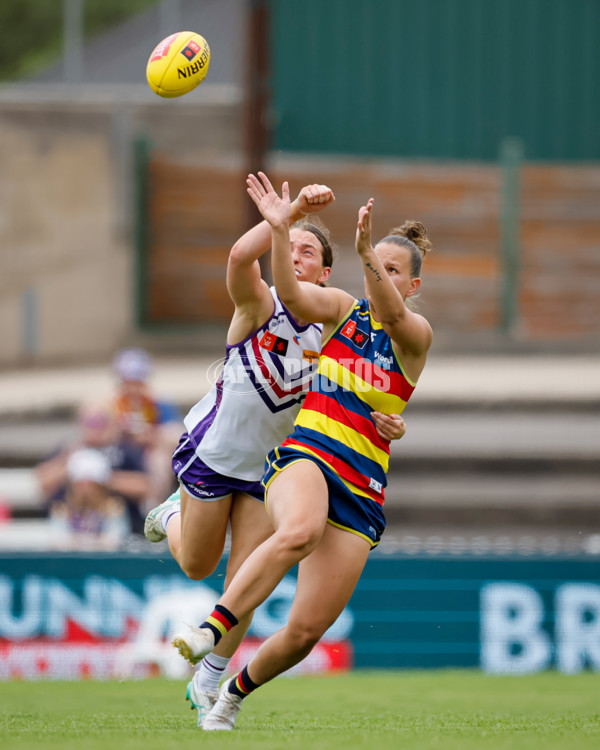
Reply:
x=242, y=685
x=220, y=621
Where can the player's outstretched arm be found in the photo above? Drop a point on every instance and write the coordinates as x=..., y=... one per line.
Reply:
x=409, y=331
x=306, y=301
x=244, y=281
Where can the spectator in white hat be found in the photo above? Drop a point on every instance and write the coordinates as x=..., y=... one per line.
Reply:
x=129, y=479
x=90, y=516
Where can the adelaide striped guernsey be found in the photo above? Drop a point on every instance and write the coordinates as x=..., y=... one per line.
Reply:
x=358, y=373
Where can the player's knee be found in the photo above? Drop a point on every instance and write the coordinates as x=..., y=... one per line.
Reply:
x=197, y=570
x=300, y=540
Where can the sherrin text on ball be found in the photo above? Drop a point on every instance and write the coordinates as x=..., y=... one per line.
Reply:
x=178, y=64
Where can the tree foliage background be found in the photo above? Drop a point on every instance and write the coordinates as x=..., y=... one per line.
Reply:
x=31, y=31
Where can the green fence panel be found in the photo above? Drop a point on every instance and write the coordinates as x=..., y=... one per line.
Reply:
x=437, y=78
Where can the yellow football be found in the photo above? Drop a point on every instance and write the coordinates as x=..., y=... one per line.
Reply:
x=178, y=64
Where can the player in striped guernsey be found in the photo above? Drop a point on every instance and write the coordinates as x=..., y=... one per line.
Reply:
x=325, y=483
x=271, y=357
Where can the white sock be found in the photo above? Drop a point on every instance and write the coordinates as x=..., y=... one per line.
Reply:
x=211, y=670
x=164, y=521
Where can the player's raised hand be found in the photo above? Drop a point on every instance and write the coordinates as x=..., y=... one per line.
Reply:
x=313, y=198
x=363, y=228
x=274, y=209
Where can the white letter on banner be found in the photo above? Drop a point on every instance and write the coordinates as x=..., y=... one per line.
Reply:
x=511, y=615
x=29, y=623
x=577, y=608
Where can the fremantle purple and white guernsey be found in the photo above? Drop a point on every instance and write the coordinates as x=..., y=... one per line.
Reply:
x=254, y=403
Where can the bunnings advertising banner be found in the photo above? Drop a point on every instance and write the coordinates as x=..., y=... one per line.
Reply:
x=98, y=616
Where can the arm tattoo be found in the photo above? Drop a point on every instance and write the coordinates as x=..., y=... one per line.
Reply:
x=375, y=271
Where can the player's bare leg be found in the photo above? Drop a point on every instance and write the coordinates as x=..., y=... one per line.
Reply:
x=203, y=532
x=195, y=531
x=297, y=506
x=326, y=581
x=250, y=526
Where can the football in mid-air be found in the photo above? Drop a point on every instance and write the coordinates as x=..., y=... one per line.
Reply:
x=178, y=64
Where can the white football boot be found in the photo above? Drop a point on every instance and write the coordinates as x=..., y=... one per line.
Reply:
x=153, y=529
x=201, y=700
x=194, y=644
x=222, y=716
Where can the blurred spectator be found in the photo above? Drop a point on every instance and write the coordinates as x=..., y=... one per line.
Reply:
x=153, y=424
x=5, y=511
x=129, y=479
x=89, y=516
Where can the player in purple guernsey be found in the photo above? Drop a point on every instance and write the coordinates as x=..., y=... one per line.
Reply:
x=270, y=360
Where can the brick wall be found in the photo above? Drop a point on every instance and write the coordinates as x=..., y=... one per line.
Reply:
x=560, y=289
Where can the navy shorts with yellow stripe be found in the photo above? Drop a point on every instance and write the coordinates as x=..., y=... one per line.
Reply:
x=355, y=513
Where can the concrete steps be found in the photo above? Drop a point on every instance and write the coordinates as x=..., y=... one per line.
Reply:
x=464, y=467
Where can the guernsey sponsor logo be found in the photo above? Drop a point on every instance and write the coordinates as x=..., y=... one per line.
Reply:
x=384, y=362
x=309, y=355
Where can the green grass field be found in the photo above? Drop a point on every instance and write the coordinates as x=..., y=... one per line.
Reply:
x=375, y=710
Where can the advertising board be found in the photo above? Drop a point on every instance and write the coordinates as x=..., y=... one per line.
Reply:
x=111, y=616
